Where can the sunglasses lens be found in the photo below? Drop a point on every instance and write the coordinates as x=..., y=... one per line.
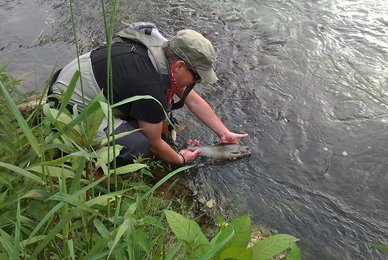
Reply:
x=195, y=75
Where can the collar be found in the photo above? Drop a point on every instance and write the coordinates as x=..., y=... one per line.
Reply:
x=174, y=85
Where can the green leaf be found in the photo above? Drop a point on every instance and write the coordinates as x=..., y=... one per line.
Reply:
x=188, y=232
x=143, y=241
x=105, y=109
x=70, y=243
x=6, y=242
x=9, y=146
x=129, y=168
x=21, y=172
x=62, y=197
x=16, y=249
x=238, y=253
x=153, y=221
x=165, y=178
x=54, y=171
x=117, y=136
x=243, y=229
x=135, y=98
x=94, y=119
x=22, y=122
x=101, y=228
x=379, y=247
x=96, y=254
x=54, y=231
x=174, y=251
x=271, y=246
x=69, y=92
x=78, y=120
x=63, y=159
x=294, y=253
x=106, y=153
x=221, y=237
x=61, y=120
x=217, y=248
x=120, y=232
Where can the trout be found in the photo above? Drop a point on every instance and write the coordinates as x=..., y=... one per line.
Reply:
x=222, y=150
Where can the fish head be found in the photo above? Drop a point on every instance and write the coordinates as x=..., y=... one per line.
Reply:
x=244, y=150
x=241, y=151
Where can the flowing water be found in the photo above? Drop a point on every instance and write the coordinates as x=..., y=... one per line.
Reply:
x=307, y=80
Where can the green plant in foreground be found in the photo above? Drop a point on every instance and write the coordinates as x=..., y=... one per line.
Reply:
x=383, y=247
x=231, y=242
x=65, y=225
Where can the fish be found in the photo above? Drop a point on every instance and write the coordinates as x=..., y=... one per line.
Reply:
x=221, y=150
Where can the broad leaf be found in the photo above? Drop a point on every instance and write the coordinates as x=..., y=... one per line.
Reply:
x=215, y=249
x=238, y=253
x=153, y=221
x=129, y=168
x=294, y=253
x=188, y=232
x=221, y=237
x=271, y=246
x=243, y=229
x=94, y=119
x=106, y=153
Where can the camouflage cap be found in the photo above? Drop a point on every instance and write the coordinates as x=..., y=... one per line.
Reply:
x=196, y=51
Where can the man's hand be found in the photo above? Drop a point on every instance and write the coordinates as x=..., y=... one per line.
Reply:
x=190, y=155
x=233, y=138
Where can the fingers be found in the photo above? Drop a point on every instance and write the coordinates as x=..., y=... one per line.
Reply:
x=243, y=136
x=193, y=142
x=233, y=137
x=189, y=155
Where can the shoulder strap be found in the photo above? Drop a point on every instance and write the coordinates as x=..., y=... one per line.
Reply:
x=157, y=57
x=152, y=43
x=181, y=102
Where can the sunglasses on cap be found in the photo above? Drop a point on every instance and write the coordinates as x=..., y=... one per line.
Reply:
x=195, y=75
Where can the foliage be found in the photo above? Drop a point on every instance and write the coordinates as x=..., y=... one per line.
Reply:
x=10, y=84
x=383, y=247
x=231, y=242
x=45, y=212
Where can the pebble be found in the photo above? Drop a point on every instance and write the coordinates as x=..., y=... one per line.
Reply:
x=325, y=149
x=344, y=153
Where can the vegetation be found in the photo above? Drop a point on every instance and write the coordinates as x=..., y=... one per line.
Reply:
x=52, y=207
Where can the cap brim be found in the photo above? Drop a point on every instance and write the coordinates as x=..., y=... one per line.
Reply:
x=207, y=75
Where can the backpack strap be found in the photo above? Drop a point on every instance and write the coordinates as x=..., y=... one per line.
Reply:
x=156, y=55
x=180, y=103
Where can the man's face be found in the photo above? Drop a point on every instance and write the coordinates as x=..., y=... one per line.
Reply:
x=183, y=75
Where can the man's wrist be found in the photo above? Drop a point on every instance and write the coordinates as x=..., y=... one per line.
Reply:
x=183, y=159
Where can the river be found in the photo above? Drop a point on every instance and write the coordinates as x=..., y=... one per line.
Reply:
x=307, y=80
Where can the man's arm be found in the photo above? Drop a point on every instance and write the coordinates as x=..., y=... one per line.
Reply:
x=160, y=148
x=201, y=109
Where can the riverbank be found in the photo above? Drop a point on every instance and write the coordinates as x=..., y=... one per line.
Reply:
x=137, y=196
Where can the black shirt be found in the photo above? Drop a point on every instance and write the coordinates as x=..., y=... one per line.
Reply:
x=132, y=74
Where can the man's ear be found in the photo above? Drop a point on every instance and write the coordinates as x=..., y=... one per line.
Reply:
x=178, y=65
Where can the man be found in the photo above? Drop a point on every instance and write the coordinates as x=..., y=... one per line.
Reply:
x=186, y=59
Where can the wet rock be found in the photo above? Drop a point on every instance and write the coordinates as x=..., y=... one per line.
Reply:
x=27, y=108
